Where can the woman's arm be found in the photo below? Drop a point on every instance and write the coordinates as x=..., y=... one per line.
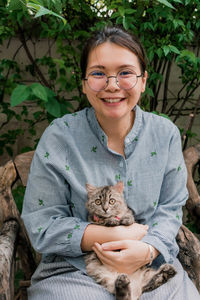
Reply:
x=167, y=219
x=102, y=234
x=47, y=209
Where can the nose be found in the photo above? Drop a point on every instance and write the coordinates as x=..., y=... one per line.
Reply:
x=105, y=208
x=112, y=83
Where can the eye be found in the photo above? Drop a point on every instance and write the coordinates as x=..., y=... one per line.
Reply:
x=112, y=201
x=126, y=73
x=97, y=74
x=98, y=202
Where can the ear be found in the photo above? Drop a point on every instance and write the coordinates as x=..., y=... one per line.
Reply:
x=144, y=80
x=83, y=87
x=119, y=186
x=90, y=188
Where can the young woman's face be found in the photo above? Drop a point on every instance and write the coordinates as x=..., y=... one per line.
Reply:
x=113, y=102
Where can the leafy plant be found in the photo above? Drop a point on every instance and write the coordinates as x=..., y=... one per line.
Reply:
x=168, y=29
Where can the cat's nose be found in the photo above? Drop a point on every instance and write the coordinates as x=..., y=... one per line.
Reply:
x=105, y=208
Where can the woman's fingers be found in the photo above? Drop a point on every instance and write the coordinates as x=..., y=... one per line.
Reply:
x=116, y=245
x=107, y=257
x=132, y=255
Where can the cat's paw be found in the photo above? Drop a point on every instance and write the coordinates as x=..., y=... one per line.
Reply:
x=167, y=271
x=127, y=221
x=122, y=281
x=164, y=273
x=112, y=222
x=122, y=287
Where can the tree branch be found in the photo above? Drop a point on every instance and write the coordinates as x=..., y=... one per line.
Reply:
x=37, y=69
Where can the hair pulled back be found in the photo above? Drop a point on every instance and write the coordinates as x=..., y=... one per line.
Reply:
x=117, y=36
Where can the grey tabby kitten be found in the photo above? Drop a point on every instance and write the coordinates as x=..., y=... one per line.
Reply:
x=106, y=206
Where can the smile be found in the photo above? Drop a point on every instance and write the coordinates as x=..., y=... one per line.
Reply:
x=108, y=100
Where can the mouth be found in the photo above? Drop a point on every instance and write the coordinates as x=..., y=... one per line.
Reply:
x=112, y=100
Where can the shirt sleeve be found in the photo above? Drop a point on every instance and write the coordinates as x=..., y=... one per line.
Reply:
x=167, y=219
x=47, y=209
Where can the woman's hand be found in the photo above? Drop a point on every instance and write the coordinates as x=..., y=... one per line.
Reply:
x=132, y=255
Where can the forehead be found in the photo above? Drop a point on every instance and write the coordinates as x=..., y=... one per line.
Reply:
x=110, y=56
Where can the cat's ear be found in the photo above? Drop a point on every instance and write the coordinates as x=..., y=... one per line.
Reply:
x=119, y=186
x=90, y=188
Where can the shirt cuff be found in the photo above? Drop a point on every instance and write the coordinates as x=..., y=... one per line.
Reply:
x=160, y=246
x=77, y=238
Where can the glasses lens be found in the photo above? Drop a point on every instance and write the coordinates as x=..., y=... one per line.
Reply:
x=97, y=81
x=126, y=79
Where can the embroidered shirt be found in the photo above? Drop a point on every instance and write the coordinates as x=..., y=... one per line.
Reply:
x=73, y=151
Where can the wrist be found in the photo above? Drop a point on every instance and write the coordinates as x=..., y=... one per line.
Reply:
x=152, y=253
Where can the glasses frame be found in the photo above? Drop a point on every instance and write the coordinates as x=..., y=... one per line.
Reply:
x=117, y=82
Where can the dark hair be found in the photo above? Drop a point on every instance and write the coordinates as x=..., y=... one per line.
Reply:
x=117, y=36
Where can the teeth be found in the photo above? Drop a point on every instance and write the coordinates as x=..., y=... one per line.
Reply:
x=112, y=100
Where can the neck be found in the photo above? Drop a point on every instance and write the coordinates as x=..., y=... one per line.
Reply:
x=117, y=129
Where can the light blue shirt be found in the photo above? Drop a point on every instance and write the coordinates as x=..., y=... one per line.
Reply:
x=73, y=151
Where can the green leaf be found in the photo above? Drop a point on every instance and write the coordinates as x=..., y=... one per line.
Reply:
x=33, y=6
x=39, y=91
x=155, y=112
x=125, y=23
x=151, y=55
x=178, y=1
x=16, y=4
x=189, y=54
x=159, y=52
x=64, y=108
x=20, y=94
x=148, y=91
x=53, y=107
x=41, y=11
x=166, y=50
x=129, y=11
x=174, y=49
x=119, y=20
x=121, y=11
x=115, y=15
x=165, y=116
x=166, y=3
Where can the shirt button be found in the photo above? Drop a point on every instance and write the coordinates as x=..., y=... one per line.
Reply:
x=127, y=140
x=121, y=164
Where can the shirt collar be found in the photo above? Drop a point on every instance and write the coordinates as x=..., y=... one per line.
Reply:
x=98, y=131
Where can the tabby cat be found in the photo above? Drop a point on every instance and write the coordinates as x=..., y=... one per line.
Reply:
x=106, y=206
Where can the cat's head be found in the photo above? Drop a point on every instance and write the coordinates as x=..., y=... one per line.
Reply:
x=105, y=201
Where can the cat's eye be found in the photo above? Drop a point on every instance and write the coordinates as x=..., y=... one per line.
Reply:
x=112, y=201
x=98, y=202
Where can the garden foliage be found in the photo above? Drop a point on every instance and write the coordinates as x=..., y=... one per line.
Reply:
x=168, y=29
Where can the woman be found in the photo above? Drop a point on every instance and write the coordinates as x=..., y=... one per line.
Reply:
x=114, y=140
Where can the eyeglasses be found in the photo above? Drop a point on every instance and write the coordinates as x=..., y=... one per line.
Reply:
x=125, y=79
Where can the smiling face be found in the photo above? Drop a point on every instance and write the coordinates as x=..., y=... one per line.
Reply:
x=113, y=103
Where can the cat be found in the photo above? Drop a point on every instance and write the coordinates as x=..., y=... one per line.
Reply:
x=106, y=206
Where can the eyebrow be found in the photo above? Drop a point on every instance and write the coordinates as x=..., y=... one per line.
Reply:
x=103, y=67
x=97, y=66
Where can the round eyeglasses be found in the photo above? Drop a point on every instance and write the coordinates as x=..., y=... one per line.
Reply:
x=125, y=79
